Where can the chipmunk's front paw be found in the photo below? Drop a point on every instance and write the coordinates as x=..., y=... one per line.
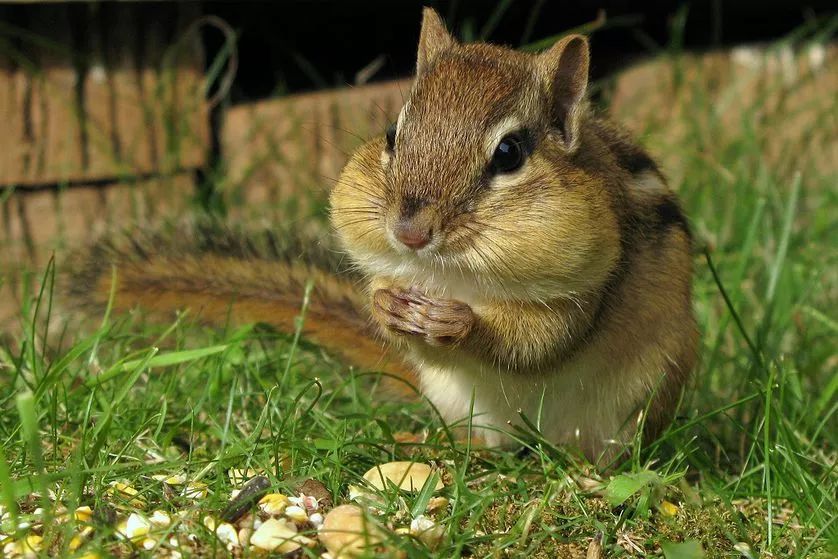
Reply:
x=439, y=322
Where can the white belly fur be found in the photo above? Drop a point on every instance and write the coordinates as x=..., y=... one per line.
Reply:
x=583, y=404
x=590, y=402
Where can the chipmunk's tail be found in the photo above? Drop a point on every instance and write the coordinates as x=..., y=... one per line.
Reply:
x=226, y=276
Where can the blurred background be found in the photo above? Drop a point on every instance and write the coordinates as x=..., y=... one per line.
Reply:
x=128, y=113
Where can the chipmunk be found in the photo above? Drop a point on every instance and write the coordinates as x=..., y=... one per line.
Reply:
x=521, y=255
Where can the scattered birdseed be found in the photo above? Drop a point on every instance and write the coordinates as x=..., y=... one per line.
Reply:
x=177, y=479
x=317, y=490
x=316, y=519
x=126, y=492
x=29, y=546
x=228, y=535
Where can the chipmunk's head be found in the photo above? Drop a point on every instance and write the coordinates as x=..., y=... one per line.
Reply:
x=478, y=176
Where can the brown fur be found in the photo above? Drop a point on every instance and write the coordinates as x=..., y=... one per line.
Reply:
x=222, y=276
x=582, y=257
x=561, y=287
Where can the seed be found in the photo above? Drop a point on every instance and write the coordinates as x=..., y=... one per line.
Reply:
x=276, y=535
x=347, y=533
x=274, y=503
x=427, y=531
x=296, y=513
x=436, y=503
x=136, y=526
x=160, y=518
x=408, y=476
x=227, y=534
x=83, y=514
x=252, y=491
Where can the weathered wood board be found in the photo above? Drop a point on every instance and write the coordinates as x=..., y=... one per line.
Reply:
x=91, y=91
x=37, y=224
x=289, y=151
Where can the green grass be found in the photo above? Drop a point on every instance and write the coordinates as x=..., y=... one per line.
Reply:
x=749, y=465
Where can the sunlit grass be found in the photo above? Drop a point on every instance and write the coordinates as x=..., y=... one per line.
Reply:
x=747, y=468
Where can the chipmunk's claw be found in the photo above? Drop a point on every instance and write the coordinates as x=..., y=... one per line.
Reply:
x=409, y=312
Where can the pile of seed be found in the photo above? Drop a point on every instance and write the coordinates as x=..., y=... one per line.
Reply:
x=254, y=519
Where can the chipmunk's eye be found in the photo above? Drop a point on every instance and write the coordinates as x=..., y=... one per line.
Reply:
x=509, y=155
x=391, y=137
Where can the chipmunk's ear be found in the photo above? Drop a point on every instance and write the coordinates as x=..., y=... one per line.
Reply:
x=564, y=69
x=434, y=39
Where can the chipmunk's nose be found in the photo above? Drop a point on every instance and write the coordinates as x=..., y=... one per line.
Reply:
x=413, y=233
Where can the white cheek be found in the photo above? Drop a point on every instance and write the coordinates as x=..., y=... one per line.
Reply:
x=502, y=181
x=385, y=159
x=400, y=120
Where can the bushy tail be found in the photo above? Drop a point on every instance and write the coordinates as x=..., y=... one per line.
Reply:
x=222, y=275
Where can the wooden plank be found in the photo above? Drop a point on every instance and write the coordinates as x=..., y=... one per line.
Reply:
x=102, y=93
x=284, y=154
x=782, y=92
x=34, y=225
